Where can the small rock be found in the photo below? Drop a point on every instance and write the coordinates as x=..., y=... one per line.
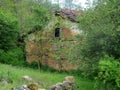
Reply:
x=13, y=88
x=52, y=87
x=5, y=81
x=66, y=85
x=23, y=87
x=27, y=78
x=71, y=79
x=59, y=83
x=33, y=86
x=58, y=87
x=41, y=89
x=69, y=88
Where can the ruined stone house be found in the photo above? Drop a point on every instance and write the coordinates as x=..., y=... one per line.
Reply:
x=58, y=38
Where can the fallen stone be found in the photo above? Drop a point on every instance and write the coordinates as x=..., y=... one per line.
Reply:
x=24, y=87
x=67, y=84
x=4, y=81
x=13, y=88
x=27, y=78
x=33, y=86
x=70, y=79
x=58, y=87
x=41, y=89
x=59, y=84
x=52, y=87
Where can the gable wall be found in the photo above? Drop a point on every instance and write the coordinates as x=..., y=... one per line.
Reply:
x=49, y=47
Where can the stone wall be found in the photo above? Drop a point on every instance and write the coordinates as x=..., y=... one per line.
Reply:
x=45, y=49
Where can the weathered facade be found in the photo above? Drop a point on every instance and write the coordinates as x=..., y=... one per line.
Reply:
x=52, y=46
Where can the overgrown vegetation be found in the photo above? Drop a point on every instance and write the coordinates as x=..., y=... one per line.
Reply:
x=109, y=72
x=10, y=53
x=18, y=19
x=97, y=51
x=43, y=78
x=101, y=32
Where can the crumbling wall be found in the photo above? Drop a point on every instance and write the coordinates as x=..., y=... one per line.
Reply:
x=47, y=47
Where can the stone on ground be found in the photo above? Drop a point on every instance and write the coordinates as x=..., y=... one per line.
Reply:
x=27, y=78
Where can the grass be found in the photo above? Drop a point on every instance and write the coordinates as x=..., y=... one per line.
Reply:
x=45, y=78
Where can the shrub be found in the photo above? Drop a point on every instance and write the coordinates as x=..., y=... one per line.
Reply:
x=109, y=72
x=10, y=53
x=8, y=31
x=13, y=57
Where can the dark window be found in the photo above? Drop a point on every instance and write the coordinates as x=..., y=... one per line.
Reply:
x=57, y=32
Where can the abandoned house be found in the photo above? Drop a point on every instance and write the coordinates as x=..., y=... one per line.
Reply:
x=52, y=46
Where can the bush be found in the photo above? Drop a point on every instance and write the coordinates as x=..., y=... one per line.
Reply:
x=8, y=31
x=10, y=53
x=109, y=72
x=13, y=57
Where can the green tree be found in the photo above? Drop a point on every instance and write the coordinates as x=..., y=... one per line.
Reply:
x=8, y=31
x=28, y=16
x=101, y=32
x=10, y=53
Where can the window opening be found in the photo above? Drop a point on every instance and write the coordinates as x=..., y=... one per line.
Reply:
x=57, y=32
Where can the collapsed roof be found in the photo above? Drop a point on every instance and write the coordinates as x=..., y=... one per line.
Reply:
x=68, y=13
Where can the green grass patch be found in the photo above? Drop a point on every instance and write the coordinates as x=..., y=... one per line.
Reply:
x=44, y=78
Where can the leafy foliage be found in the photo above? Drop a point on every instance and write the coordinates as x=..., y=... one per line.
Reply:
x=13, y=57
x=40, y=18
x=109, y=71
x=8, y=31
x=100, y=25
x=22, y=18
